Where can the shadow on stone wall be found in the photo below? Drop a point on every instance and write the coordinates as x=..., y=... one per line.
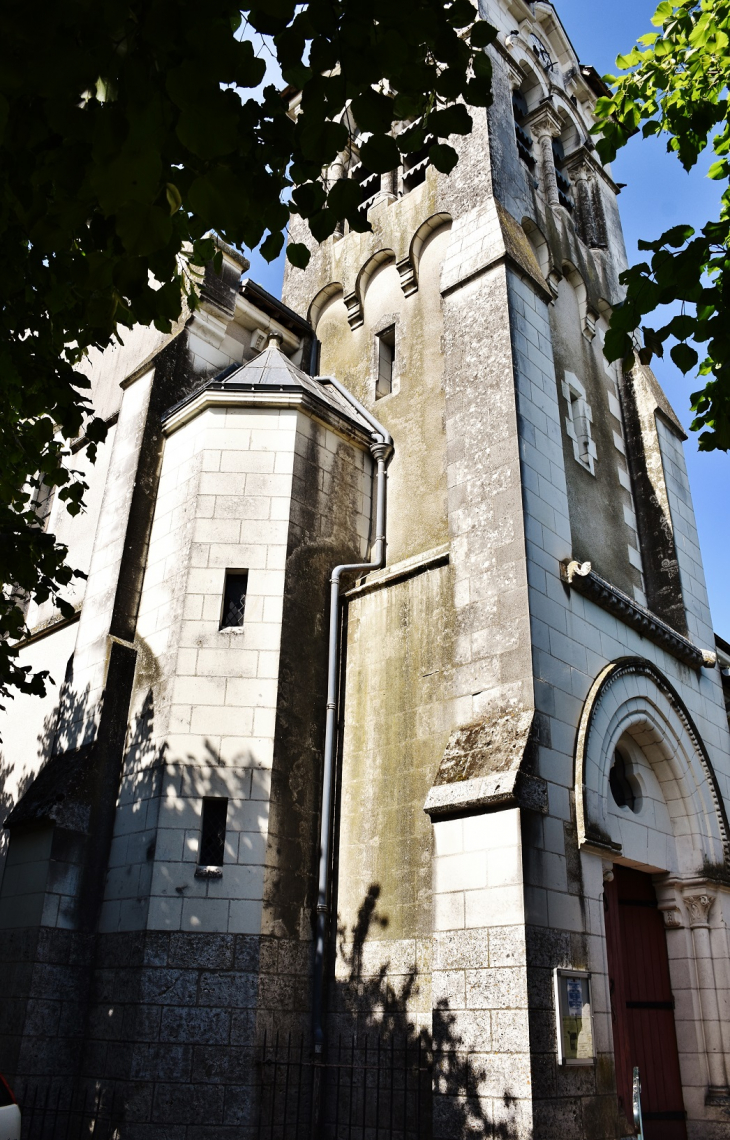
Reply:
x=72, y=709
x=174, y=1039
x=390, y=1003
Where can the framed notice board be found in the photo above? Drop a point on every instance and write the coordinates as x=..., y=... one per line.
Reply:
x=574, y=1014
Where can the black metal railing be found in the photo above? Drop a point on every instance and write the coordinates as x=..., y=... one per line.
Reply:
x=68, y=1113
x=364, y=1089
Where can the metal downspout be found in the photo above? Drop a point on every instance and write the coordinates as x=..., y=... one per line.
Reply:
x=380, y=449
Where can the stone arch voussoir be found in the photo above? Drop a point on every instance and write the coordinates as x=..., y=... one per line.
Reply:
x=633, y=696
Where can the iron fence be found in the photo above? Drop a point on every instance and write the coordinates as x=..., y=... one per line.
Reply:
x=364, y=1089
x=69, y=1113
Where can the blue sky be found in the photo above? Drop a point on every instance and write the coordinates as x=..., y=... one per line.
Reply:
x=658, y=195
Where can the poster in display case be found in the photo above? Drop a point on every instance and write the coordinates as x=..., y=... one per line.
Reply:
x=574, y=1013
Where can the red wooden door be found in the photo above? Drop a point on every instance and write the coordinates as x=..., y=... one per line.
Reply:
x=642, y=1005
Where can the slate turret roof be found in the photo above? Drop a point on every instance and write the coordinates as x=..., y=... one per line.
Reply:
x=273, y=371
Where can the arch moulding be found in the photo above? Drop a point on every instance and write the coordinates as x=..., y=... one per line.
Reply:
x=627, y=694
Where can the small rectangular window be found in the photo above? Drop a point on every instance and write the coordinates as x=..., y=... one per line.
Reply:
x=213, y=832
x=234, y=599
x=386, y=361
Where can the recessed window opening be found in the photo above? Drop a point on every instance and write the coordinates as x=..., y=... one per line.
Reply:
x=369, y=186
x=43, y=500
x=386, y=362
x=565, y=193
x=582, y=428
x=523, y=136
x=213, y=832
x=234, y=599
x=578, y=422
x=415, y=166
x=624, y=786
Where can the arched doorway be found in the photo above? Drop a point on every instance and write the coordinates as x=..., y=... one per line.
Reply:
x=649, y=806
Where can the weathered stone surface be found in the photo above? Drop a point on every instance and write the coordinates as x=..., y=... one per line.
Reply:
x=466, y=666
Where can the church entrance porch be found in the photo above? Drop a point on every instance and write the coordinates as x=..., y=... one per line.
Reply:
x=642, y=1005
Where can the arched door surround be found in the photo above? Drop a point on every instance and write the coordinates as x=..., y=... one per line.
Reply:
x=633, y=700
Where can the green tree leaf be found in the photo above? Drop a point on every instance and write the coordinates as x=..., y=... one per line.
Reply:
x=298, y=255
x=380, y=154
x=133, y=135
x=685, y=357
x=443, y=157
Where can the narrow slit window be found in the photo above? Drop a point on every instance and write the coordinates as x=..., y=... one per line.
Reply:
x=386, y=362
x=234, y=599
x=213, y=832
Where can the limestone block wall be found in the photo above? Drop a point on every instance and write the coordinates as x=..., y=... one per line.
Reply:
x=204, y=711
x=29, y=724
x=397, y=720
x=92, y=645
x=573, y=640
x=689, y=556
x=493, y=669
x=480, y=981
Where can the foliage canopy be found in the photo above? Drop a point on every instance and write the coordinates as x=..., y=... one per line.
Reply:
x=129, y=130
x=677, y=83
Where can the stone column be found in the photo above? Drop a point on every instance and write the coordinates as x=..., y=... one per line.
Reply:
x=335, y=172
x=699, y=903
x=545, y=125
x=389, y=186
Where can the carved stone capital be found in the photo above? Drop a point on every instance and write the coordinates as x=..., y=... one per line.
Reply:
x=544, y=120
x=672, y=917
x=582, y=163
x=699, y=907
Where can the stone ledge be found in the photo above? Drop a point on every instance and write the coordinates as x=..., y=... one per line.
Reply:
x=583, y=578
x=500, y=790
x=409, y=568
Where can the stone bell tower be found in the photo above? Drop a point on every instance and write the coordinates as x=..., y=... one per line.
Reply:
x=451, y=857
x=540, y=546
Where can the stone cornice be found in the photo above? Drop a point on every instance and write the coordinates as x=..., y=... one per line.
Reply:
x=401, y=571
x=583, y=578
x=231, y=396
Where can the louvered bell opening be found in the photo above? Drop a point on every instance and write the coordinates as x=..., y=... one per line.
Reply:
x=369, y=186
x=565, y=193
x=415, y=166
x=234, y=599
x=213, y=832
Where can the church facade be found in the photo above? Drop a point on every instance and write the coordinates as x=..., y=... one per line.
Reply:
x=389, y=741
